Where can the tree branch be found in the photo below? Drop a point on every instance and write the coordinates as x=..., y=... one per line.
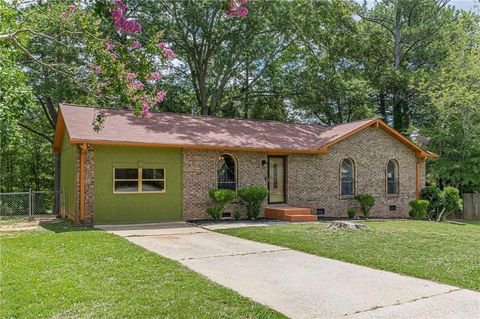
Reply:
x=45, y=136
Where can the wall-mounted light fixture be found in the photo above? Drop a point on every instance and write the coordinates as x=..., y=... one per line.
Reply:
x=264, y=163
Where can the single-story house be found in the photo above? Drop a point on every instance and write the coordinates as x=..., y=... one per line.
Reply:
x=137, y=170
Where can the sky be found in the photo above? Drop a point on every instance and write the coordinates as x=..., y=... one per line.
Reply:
x=460, y=4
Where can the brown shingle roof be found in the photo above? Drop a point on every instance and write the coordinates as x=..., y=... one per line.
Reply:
x=181, y=130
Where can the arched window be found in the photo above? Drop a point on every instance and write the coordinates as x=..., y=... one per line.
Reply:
x=226, y=172
x=392, y=177
x=347, y=177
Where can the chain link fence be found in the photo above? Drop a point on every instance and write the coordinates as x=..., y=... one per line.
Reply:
x=27, y=204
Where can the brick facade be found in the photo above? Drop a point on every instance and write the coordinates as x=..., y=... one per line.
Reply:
x=89, y=190
x=313, y=180
x=199, y=176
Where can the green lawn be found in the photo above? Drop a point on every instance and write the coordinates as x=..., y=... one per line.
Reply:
x=69, y=272
x=437, y=251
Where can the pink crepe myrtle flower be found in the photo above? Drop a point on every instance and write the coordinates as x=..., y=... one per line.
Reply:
x=169, y=53
x=116, y=14
x=138, y=85
x=242, y=11
x=135, y=44
x=131, y=75
x=96, y=68
x=154, y=76
x=72, y=8
x=110, y=46
x=120, y=6
x=64, y=16
x=146, y=111
x=161, y=45
x=160, y=96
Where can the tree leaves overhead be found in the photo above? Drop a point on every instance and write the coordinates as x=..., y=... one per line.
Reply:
x=413, y=63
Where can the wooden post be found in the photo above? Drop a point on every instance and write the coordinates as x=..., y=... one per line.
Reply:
x=82, y=182
x=420, y=161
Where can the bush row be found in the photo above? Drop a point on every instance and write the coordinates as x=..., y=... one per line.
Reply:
x=251, y=196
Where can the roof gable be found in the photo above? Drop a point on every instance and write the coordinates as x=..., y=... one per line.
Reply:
x=121, y=127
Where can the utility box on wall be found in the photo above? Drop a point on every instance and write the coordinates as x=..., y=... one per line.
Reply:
x=471, y=206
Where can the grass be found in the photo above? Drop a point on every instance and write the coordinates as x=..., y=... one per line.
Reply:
x=441, y=252
x=67, y=272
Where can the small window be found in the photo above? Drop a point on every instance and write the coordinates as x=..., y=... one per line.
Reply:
x=226, y=172
x=392, y=177
x=139, y=180
x=347, y=177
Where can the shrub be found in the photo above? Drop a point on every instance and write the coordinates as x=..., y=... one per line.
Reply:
x=351, y=213
x=221, y=198
x=253, y=197
x=366, y=203
x=237, y=215
x=452, y=203
x=419, y=208
x=436, y=199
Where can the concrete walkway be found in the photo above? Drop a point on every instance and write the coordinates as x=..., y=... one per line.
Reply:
x=298, y=284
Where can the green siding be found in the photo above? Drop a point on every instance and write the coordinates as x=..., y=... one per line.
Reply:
x=110, y=208
x=67, y=176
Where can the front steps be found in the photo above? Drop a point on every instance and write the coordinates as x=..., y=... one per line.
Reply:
x=291, y=214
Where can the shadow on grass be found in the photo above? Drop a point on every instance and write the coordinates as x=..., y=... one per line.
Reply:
x=64, y=226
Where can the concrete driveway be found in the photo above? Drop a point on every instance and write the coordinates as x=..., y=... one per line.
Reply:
x=300, y=285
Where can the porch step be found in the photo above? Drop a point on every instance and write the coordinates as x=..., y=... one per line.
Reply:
x=301, y=218
x=291, y=214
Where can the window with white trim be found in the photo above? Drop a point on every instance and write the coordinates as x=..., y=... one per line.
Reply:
x=392, y=177
x=347, y=177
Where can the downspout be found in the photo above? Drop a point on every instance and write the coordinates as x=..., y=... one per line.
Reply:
x=420, y=161
x=82, y=182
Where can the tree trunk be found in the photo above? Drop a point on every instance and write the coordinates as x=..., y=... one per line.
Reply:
x=56, y=208
x=397, y=100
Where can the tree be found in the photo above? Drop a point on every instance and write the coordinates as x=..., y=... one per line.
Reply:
x=220, y=59
x=453, y=119
x=413, y=39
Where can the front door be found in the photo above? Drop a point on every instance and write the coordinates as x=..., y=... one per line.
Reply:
x=276, y=179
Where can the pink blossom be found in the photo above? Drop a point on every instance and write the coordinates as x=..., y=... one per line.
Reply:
x=110, y=46
x=243, y=1
x=73, y=8
x=146, y=111
x=138, y=85
x=120, y=6
x=154, y=76
x=116, y=14
x=160, y=96
x=161, y=45
x=242, y=11
x=96, y=68
x=135, y=44
x=131, y=75
x=169, y=53
x=64, y=16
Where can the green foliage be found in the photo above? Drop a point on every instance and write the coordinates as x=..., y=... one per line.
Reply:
x=436, y=199
x=366, y=203
x=253, y=196
x=442, y=203
x=452, y=203
x=221, y=198
x=419, y=208
x=351, y=212
x=237, y=214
